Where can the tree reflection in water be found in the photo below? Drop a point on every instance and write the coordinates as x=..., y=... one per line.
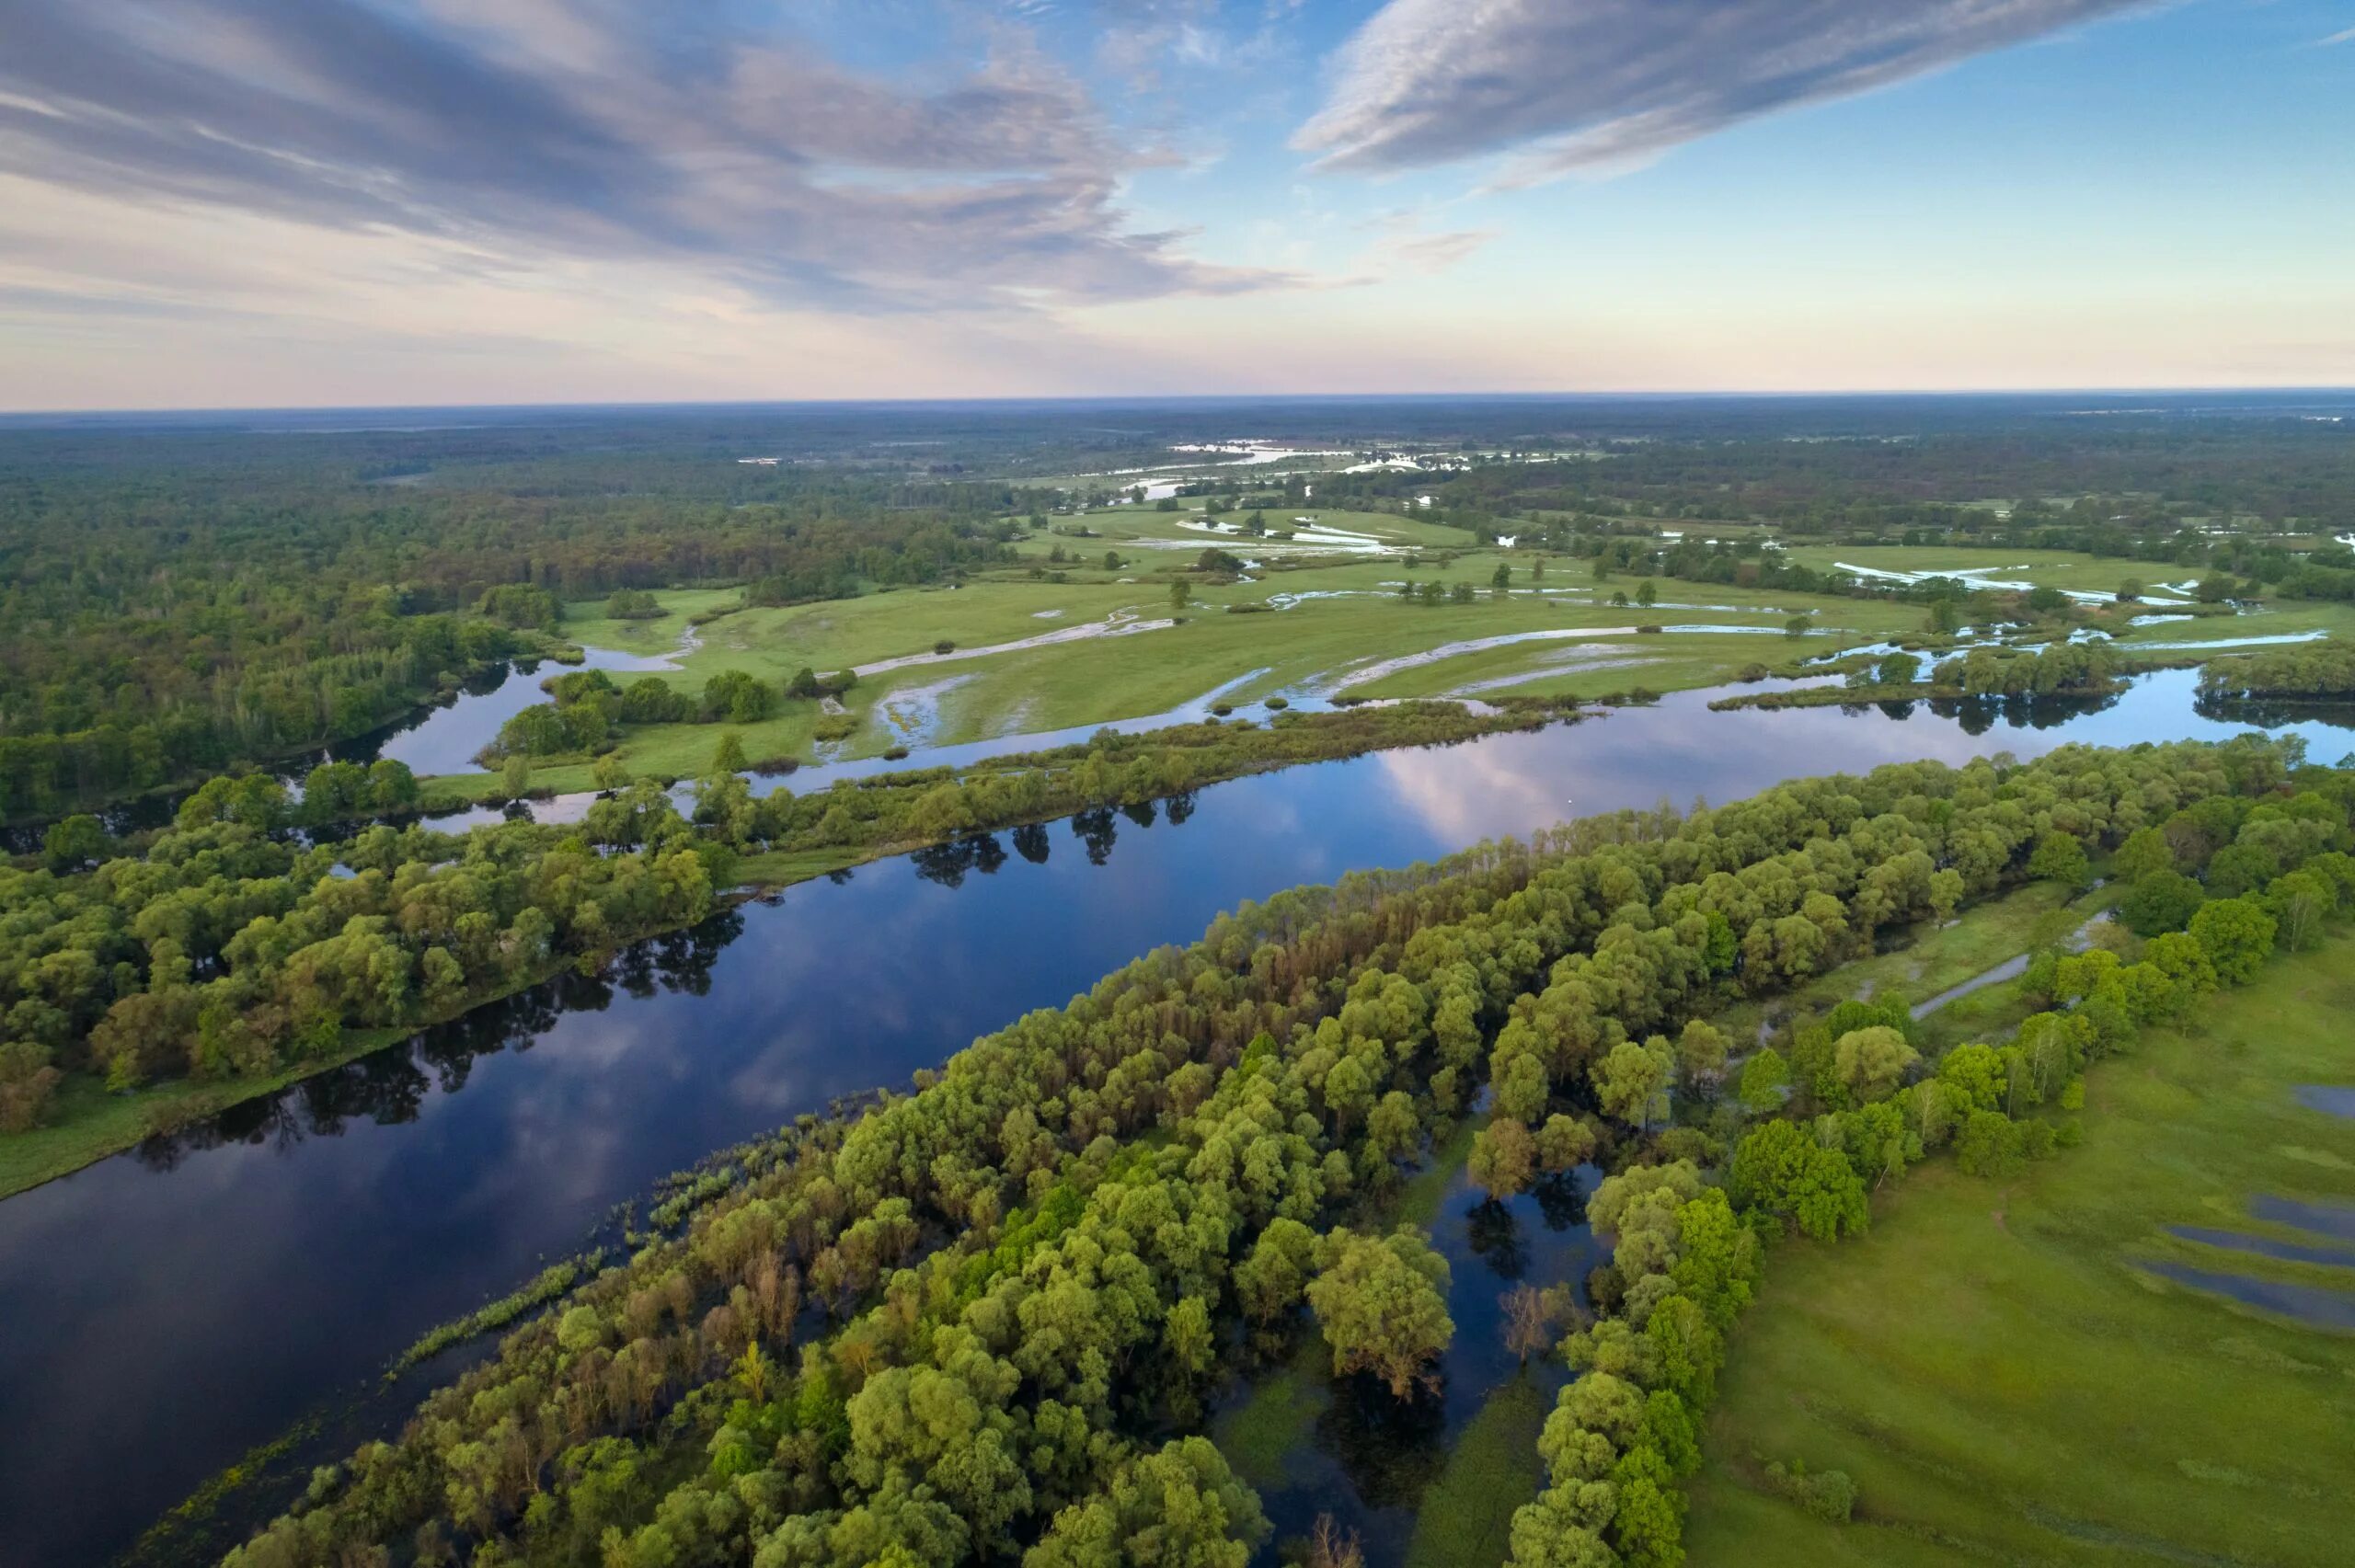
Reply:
x=388, y=1087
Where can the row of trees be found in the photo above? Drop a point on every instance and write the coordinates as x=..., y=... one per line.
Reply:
x=1032, y=1263
x=229, y=949
x=1854, y=1106
x=2324, y=669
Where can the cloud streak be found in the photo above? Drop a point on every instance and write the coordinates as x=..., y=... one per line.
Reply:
x=1582, y=85
x=601, y=129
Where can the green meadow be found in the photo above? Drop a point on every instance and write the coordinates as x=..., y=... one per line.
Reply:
x=2007, y=1380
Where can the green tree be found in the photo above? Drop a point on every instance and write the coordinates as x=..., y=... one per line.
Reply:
x=2145, y=851
x=1381, y=1302
x=1780, y=1169
x=2060, y=857
x=1181, y=594
x=1181, y=1506
x=1632, y=1081
x=1765, y=1082
x=76, y=842
x=727, y=757
x=2160, y=902
x=1646, y=594
x=2236, y=934
x=1504, y=1156
x=1873, y=1062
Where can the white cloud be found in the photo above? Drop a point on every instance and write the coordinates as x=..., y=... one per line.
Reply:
x=598, y=130
x=1572, y=86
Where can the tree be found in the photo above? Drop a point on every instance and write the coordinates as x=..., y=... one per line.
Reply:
x=2145, y=851
x=2160, y=902
x=1178, y=1507
x=2060, y=857
x=517, y=775
x=1504, y=1156
x=1646, y=594
x=1701, y=1052
x=1873, y=1062
x=2130, y=591
x=1780, y=1169
x=1632, y=1081
x=727, y=757
x=1181, y=594
x=2236, y=934
x=1799, y=626
x=1382, y=1304
x=76, y=842
x=1501, y=578
x=1272, y=1279
x=1765, y=1082
x=1897, y=670
x=1532, y=1317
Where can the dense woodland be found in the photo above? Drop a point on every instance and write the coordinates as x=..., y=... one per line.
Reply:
x=178, y=608
x=232, y=946
x=976, y=1323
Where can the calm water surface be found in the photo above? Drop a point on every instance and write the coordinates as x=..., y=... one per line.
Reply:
x=217, y=1289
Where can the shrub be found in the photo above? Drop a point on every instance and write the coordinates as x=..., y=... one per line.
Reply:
x=1828, y=1494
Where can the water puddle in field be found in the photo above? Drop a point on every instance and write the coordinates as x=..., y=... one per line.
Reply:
x=2310, y=1304
x=2265, y=1247
x=2337, y=1100
x=2333, y=1219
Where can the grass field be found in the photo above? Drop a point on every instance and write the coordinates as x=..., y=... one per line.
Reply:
x=1465, y=1519
x=1307, y=619
x=2008, y=1383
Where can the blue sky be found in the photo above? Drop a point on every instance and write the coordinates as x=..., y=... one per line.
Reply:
x=243, y=202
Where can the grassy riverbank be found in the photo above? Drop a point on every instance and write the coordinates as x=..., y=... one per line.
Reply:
x=2050, y=1400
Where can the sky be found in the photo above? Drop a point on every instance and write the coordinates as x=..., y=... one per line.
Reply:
x=245, y=203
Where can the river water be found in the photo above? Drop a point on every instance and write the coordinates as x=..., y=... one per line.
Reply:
x=167, y=1309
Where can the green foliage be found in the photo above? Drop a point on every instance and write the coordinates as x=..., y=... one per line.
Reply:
x=2160, y=900
x=1380, y=1303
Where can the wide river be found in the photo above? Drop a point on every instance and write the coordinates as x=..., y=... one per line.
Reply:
x=162, y=1312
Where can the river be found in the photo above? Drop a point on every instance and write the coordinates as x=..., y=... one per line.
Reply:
x=167, y=1309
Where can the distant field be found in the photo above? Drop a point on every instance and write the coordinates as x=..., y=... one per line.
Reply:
x=1316, y=619
x=2048, y=568
x=2005, y=1382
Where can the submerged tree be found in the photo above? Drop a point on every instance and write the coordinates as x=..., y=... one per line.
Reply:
x=1382, y=1303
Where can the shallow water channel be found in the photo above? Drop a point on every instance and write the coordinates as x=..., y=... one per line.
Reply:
x=185, y=1302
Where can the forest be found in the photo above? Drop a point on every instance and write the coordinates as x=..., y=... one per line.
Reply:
x=243, y=940
x=180, y=608
x=978, y=1320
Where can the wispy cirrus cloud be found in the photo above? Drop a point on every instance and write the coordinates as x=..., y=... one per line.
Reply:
x=598, y=130
x=1571, y=86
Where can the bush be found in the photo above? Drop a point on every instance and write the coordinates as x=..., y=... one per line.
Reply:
x=944, y=647
x=1828, y=1494
x=834, y=726
x=1276, y=704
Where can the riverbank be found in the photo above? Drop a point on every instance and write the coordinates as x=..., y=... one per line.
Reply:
x=89, y=1123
